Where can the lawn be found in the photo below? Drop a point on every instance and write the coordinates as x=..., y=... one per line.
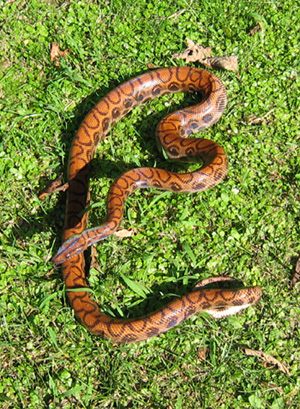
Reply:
x=246, y=227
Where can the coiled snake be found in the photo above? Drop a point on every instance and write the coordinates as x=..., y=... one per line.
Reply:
x=171, y=132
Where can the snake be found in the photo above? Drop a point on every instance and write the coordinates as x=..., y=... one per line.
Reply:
x=174, y=135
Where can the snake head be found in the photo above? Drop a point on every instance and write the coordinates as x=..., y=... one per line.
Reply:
x=74, y=245
x=230, y=302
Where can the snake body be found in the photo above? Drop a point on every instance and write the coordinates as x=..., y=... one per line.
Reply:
x=172, y=133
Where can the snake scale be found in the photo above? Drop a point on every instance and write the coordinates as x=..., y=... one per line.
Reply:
x=172, y=133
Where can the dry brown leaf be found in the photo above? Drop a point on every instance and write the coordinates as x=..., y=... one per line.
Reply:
x=177, y=14
x=224, y=63
x=203, y=353
x=55, y=54
x=273, y=386
x=194, y=52
x=296, y=277
x=122, y=233
x=94, y=259
x=253, y=119
x=269, y=359
x=255, y=29
x=151, y=66
x=55, y=185
x=294, y=392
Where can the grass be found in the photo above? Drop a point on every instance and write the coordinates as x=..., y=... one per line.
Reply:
x=247, y=227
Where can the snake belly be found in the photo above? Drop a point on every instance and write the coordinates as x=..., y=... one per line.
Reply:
x=172, y=133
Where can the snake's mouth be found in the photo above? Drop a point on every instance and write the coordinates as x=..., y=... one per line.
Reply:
x=223, y=311
x=239, y=300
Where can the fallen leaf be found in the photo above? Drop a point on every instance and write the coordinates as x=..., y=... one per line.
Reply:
x=269, y=359
x=296, y=277
x=55, y=185
x=253, y=119
x=224, y=63
x=55, y=54
x=291, y=395
x=151, y=66
x=255, y=29
x=122, y=233
x=94, y=259
x=194, y=52
x=272, y=386
x=203, y=353
x=177, y=14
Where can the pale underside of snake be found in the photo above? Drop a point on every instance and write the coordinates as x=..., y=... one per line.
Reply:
x=172, y=132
